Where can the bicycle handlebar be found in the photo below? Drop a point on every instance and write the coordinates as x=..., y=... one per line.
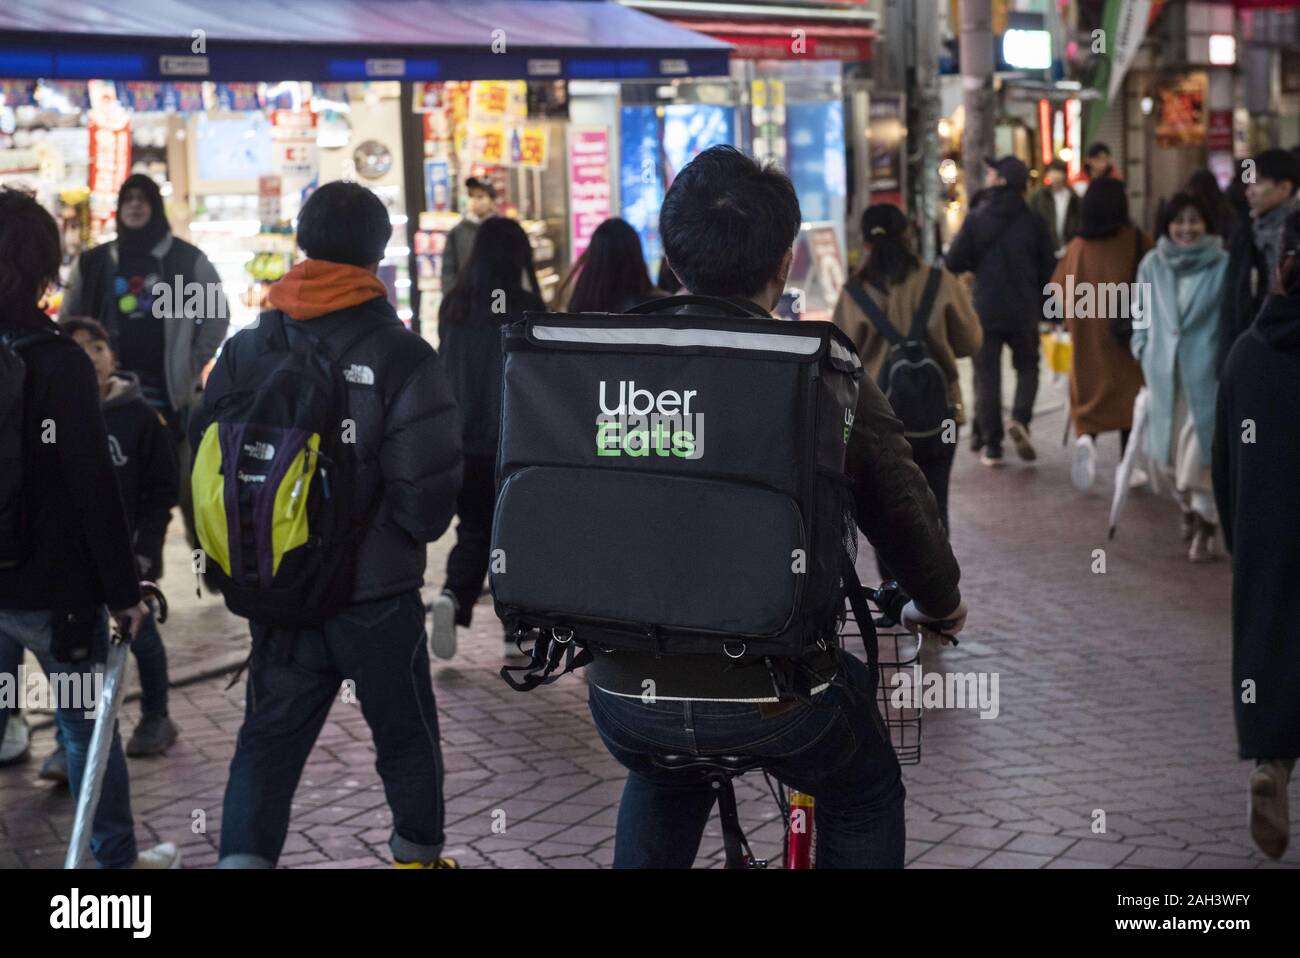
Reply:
x=890, y=599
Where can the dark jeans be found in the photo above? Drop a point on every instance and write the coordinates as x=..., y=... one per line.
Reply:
x=293, y=680
x=934, y=458
x=151, y=661
x=467, y=565
x=1024, y=347
x=838, y=752
x=112, y=833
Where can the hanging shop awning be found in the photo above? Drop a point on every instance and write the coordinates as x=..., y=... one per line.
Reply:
x=344, y=40
x=771, y=30
x=788, y=39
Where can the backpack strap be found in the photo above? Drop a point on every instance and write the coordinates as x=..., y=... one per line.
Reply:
x=922, y=318
x=862, y=614
x=874, y=313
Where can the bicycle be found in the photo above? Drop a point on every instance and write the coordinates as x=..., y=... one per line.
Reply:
x=797, y=808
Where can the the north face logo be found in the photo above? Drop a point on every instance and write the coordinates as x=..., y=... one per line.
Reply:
x=359, y=375
x=260, y=450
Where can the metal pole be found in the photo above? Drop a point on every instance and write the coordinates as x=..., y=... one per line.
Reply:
x=927, y=187
x=92, y=778
x=977, y=65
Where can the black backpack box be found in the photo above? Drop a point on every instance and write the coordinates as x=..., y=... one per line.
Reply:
x=673, y=482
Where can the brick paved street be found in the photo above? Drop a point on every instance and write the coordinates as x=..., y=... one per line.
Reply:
x=1115, y=695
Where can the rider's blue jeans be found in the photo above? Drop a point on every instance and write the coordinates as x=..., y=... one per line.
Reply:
x=837, y=752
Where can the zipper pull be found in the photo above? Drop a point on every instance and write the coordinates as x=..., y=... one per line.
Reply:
x=325, y=481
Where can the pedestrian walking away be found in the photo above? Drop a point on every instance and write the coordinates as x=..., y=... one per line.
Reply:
x=1256, y=459
x=67, y=545
x=497, y=287
x=1098, y=268
x=1177, y=346
x=331, y=587
x=1010, y=251
x=895, y=281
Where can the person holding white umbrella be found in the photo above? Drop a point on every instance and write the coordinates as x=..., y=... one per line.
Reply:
x=1176, y=347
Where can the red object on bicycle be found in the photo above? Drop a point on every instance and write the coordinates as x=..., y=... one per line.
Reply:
x=799, y=845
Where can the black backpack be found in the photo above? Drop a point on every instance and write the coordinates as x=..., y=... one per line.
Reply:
x=910, y=378
x=273, y=481
x=13, y=376
x=672, y=484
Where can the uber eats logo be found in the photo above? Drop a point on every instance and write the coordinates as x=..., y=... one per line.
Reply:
x=635, y=421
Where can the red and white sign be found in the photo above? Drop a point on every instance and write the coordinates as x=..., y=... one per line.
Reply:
x=590, y=196
x=294, y=141
x=1219, y=134
x=110, y=161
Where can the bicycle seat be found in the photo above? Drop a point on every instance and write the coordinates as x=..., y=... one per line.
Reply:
x=730, y=764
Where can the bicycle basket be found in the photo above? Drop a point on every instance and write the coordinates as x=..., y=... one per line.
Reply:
x=898, y=651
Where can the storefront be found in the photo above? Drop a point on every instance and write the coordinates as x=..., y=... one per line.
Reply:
x=786, y=103
x=408, y=98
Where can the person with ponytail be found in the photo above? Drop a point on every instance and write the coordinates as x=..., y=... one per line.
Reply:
x=1255, y=462
x=894, y=278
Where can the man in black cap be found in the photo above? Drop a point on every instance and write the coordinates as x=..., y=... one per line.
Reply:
x=460, y=241
x=1010, y=252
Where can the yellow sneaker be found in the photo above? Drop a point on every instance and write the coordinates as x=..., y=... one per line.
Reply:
x=440, y=863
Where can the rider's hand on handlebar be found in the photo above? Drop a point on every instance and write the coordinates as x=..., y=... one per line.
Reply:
x=914, y=620
x=128, y=620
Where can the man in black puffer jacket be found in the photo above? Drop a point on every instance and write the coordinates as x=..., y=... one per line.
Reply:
x=407, y=433
x=1009, y=250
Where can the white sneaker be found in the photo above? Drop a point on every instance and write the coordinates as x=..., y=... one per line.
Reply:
x=442, y=626
x=166, y=855
x=1138, y=478
x=1083, y=463
x=16, y=745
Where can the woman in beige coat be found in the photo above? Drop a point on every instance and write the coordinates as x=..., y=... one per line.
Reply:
x=1095, y=277
x=894, y=279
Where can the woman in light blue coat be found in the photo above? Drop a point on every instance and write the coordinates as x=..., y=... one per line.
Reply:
x=1183, y=281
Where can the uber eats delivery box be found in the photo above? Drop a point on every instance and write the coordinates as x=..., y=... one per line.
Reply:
x=674, y=482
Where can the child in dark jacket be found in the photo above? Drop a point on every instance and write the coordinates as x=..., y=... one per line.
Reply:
x=149, y=479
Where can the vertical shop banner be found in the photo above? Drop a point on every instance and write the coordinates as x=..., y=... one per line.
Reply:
x=110, y=159
x=295, y=157
x=589, y=185
x=437, y=185
x=641, y=187
x=1126, y=32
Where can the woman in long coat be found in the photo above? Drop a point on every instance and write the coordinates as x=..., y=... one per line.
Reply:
x=1105, y=378
x=1256, y=464
x=1177, y=342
